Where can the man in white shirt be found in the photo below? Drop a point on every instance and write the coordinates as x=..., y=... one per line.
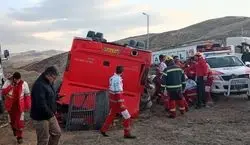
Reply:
x=117, y=104
x=162, y=64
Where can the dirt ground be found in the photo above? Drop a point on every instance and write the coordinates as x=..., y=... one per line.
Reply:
x=227, y=123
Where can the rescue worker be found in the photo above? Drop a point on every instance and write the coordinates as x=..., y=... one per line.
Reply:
x=201, y=71
x=190, y=69
x=173, y=80
x=208, y=84
x=178, y=62
x=117, y=104
x=17, y=101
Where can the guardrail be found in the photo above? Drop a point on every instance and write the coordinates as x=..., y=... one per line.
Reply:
x=237, y=84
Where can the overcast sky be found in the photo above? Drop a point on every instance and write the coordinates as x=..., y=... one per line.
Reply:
x=51, y=24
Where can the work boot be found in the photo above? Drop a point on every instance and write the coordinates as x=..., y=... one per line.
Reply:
x=104, y=134
x=197, y=107
x=14, y=131
x=129, y=136
x=171, y=117
x=19, y=140
x=158, y=101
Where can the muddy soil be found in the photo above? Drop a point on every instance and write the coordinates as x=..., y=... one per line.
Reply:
x=227, y=123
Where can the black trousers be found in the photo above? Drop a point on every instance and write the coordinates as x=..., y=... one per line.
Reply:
x=175, y=94
x=200, y=91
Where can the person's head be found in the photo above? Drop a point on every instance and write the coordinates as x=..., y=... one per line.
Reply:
x=162, y=57
x=169, y=61
x=51, y=73
x=191, y=60
x=176, y=58
x=119, y=70
x=247, y=50
x=16, y=77
x=197, y=56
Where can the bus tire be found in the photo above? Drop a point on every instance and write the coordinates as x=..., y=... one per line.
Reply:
x=102, y=109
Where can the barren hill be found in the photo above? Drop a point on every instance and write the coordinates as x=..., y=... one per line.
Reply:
x=59, y=60
x=214, y=29
x=23, y=58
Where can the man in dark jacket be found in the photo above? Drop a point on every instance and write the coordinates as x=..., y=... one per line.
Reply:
x=43, y=108
x=173, y=80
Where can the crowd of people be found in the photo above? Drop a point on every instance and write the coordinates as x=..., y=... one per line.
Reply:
x=177, y=84
x=183, y=83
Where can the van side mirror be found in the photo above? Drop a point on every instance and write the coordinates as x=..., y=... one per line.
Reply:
x=6, y=53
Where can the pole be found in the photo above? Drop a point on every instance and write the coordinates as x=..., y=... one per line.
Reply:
x=147, y=29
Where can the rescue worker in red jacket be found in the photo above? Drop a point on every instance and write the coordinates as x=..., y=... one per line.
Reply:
x=173, y=80
x=17, y=101
x=190, y=69
x=117, y=104
x=201, y=69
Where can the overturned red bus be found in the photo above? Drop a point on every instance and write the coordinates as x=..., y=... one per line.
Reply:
x=91, y=63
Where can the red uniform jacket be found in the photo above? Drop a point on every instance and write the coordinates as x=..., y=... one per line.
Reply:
x=17, y=95
x=190, y=71
x=201, y=67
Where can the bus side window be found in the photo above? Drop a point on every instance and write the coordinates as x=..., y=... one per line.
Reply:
x=106, y=63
